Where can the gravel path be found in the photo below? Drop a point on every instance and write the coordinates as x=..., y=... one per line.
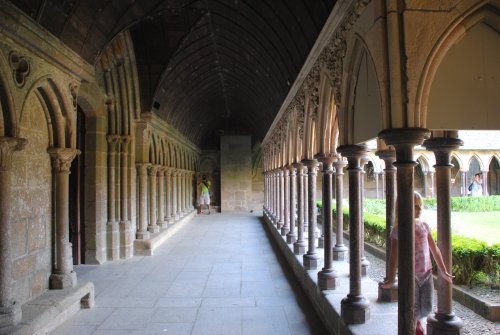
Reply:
x=473, y=324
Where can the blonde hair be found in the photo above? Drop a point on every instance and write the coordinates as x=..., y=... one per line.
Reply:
x=417, y=199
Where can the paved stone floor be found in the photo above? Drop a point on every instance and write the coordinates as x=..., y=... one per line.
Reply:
x=217, y=275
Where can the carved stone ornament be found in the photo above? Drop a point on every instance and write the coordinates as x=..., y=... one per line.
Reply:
x=7, y=147
x=73, y=89
x=62, y=158
x=20, y=68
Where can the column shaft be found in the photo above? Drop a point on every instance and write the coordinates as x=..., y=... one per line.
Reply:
x=142, y=231
x=311, y=258
x=299, y=247
x=153, y=200
x=292, y=235
x=340, y=250
x=286, y=201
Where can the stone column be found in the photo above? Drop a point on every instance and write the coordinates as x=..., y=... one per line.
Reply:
x=291, y=237
x=404, y=140
x=126, y=243
x=276, y=212
x=355, y=307
x=10, y=312
x=112, y=229
x=161, y=198
x=340, y=250
x=286, y=201
x=62, y=275
x=179, y=194
x=299, y=247
x=327, y=277
x=142, y=231
x=377, y=185
x=433, y=187
x=281, y=199
x=365, y=264
x=153, y=200
x=168, y=196
x=305, y=198
x=444, y=321
x=311, y=258
x=485, y=183
x=426, y=186
x=389, y=157
x=175, y=213
x=463, y=182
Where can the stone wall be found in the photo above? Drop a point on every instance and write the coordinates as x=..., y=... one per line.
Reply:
x=236, y=173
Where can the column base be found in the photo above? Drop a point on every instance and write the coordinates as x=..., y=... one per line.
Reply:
x=162, y=224
x=299, y=248
x=170, y=221
x=142, y=235
x=364, y=270
x=321, y=241
x=327, y=280
x=126, y=240
x=340, y=253
x=388, y=294
x=443, y=324
x=311, y=261
x=355, y=309
x=113, y=231
x=59, y=281
x=279, y=224
x=284, y=230
x=10, y=315
x=153, y=229
x=291, y=238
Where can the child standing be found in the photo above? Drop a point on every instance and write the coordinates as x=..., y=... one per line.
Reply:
x=424, y=246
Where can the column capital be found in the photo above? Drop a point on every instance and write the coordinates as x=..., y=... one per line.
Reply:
x=142, y=168
x=388, y=156
x=125, y=140
x=442, y=147
x=310, y=163
x=327, y=160
x=339, y=165
x=7, y=147
x=153, y=169
x=62, y=158
x=114, y=141
x=403, y=140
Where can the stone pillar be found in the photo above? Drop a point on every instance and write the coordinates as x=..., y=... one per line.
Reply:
x=276, y=211
x=389, y=157
x=291, y=237
x=161, y=198
x=444, y=321
x=433, y=187
x=311, y=258
x=365, y=264
x=355, y=307
x=112, y=229
x=179, y=194
x=305, y=198
x=340, y=250
x=327, y=277
x=485, y=183
x=426, y=186
x=126, y=241
x=153, y=200
x=286, y=201
x=463, y=182
x=281, y=198
x=404, y=140
x=62, y=275
x=168, y=196
x=377, y=185
x=175, y=213
x=299, y=247
x=142, y=230
x=10, y=312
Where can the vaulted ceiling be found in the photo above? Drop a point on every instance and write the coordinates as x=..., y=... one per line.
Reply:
x=208, y=67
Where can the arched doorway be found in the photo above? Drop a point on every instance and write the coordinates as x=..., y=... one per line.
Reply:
x=494, y=177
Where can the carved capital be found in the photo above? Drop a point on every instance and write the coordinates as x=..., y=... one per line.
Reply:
x=142, y=168
x=7, y=147
x=113, y=141
x=153, y=170
x=62, y=158
x=125, y=140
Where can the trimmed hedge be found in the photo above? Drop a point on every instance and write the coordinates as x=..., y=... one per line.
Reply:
x=474, y=262
x=469, y=204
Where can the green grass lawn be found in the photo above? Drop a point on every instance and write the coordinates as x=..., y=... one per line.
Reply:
x=484, y=226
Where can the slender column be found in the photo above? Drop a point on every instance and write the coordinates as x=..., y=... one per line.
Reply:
x=292, y=235
x=112, y=229
x=377, y=185
x=433, y=186
x=365, y=264
x=276, y=198
x=281, y=197
x=485, y=182
x=327, y=277
x=305, y=199
x=389, y=157
x=404, y=140
x=10, y=312
x=179, y=193
x=426, y=186
x=175, y=213
x=161, y=198
x=355, y=307
x=444, y=321
x=286, y=201
x=340, y=250
x=463, y=182
x=62, y=275
x=311, y=258
x=383, y=185
x=153, y=200
x=126, y=244
x=142, y=231
x=299, y=247
x=168, y=196
x=266, y=192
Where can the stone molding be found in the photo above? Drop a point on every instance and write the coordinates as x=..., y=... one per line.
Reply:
x=7, y=147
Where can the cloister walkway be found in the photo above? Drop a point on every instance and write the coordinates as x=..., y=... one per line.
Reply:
x=217, y=275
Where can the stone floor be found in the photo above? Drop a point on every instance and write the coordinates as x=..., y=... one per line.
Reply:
x=217, y=275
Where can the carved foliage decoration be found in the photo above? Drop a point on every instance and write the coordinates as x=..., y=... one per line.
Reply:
x=20, y=68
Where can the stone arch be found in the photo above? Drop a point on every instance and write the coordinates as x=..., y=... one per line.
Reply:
x=327, y=127
x=494, y=175
x=479, y=161
x=310, y=125
x=153, y=150
x=9, y=122
x=439, y=85
x=362, y=113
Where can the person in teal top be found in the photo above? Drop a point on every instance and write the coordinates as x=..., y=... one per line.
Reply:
x=204, y=186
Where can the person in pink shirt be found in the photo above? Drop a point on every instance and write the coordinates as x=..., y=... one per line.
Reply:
x=424, y=246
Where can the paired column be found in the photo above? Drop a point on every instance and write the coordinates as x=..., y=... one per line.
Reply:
x=168, y=196
x=63, y=275
x=355, y=307
x=340, y=250
x=286, y=201
x=327, y=277
x=10, y=312
x=291, y=237
x=175, y=213
x=389, y=157
x=299, y=247
x=126, y=240
x=404, y=140
x=161, y=198
x=142, y=172
x=113, y=234
x=311, y=258
x=281, y=198
x=153, y=201
x=365, y=264
x=444, y=320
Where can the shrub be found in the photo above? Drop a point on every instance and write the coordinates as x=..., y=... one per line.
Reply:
x=469, y=204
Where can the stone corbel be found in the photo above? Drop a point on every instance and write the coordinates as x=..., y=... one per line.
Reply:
x=20, y=68
x=62, y=158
